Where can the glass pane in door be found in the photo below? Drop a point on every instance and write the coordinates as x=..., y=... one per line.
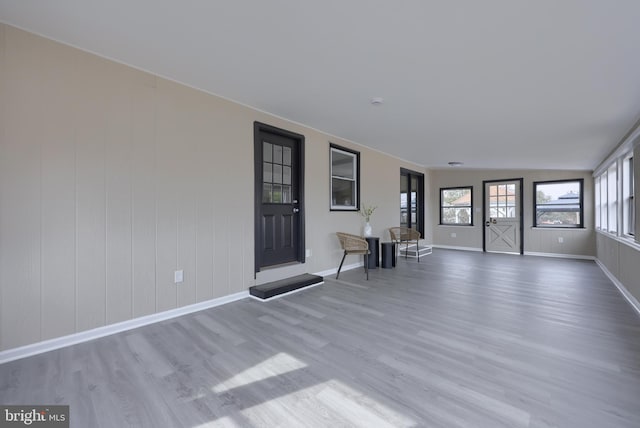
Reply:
x=277, y=174
x=502, y=201
x=414, y=200
x=404, y=191
x=267, y=152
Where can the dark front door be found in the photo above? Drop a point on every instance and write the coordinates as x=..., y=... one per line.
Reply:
x=279, y=196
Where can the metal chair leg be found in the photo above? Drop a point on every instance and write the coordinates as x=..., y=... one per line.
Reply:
x=418, y=250
x=338, y=274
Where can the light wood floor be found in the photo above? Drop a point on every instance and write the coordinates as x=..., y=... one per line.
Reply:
x=459, y=340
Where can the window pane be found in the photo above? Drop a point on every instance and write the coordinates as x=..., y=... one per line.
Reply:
x=266, y=193
x=286, y=194
x=558, y=204
x=286, y=156
x=502, y=199
x=456, y=197
x=277, y=194
x=286, y=175
x=456, y=208
x=597, y=203
x=344, y=179
x=342, y=164
x=267, y=173
x=277, y=154
x=277, y=173
x=604, y=200
x=404, y=191
x=559, y=218
x=632, y=203
x=343, y=192
x=456, y=215
x=267, y=152
x=628, y=211
x=612, y=196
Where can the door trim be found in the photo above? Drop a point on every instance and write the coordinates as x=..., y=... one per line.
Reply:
x=484, y=211
x=258, y=128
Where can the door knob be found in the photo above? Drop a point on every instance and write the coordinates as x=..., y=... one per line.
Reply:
x=295, y=210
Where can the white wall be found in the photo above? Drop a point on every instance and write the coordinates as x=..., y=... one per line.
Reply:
x=112, y=178
x=577, y=242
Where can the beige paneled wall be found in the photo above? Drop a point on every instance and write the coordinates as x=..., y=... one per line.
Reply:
x=629, y=268
x=620, y=256
x=622, y=260
x=112, y=178
x=580, y=242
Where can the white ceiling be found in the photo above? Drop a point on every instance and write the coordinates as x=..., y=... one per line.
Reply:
x=494, y=84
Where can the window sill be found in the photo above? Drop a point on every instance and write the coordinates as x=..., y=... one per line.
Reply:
x=350, y=209
x=557, y=228
x=455, y=225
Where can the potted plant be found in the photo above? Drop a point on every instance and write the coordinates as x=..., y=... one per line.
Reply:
x=367, y=212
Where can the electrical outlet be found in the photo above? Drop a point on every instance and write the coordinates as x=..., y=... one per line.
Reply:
x=308, y=253
x=453, y=235
x=561, y=239
x=178, y=276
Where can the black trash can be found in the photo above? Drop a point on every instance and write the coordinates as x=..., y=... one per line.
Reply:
x=388, y=255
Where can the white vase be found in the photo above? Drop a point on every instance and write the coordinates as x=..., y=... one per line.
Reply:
x=367, y=229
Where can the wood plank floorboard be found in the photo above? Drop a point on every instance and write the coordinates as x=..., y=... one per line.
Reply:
x=460, y=339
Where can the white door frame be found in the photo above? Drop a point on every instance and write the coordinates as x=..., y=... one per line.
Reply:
x=519, y=204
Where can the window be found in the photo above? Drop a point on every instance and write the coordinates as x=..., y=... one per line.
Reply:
x=615, y=197
x=502, y=200
x=558, y=203
x=612, y=198
x=456, y=206
x=598, y=200
x=603, y=202
x=276, y=174
x=345, y=179
x=628, y=204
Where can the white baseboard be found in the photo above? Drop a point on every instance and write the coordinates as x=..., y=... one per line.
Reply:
x=452, y=247
x=559, y=255
x=526, y=253
x=623, y=290
x=85, y=336
x=335, y=270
